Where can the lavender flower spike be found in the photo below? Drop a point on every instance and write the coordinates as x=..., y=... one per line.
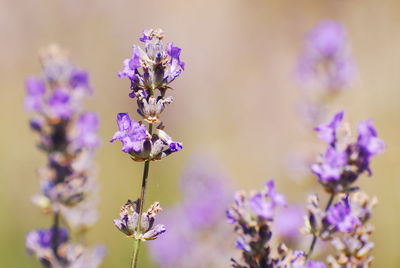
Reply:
x=326, y=59
x=150, y=70
x=252, y=217
x=153, y=67
x=68, y=137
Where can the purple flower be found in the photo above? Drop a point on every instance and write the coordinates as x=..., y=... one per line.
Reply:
x=153, y=67
x=326, y=58
x=174, y=53
x=60, y=105
x=340, y=216
x=276, y=198
x=176, y=65
x=42, y=239
x=175, y=146
x=196, y=224
x=130, y=133
x=146, y=36
x=206, y=193
x=79, y=79
x=328, y=38
x=87, y=126
x=66, y=181
x=327, y=132
x=345, y=160
x=368, y=139
x=263, y=204
x=131, y=65
x=332, y=167
x=175, y=244
x=252, y=219
x=35, y=89
x=289, y=228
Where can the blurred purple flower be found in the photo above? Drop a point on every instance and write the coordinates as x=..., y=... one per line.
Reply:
x=340, y=215
x=60, y=105
x=87, y=126
x=328, y=38
x=327, y=132
x=276, y=198
x=67, y=179
x=368, y=138
x=80, y=80
x=42, y=238
x=326, y=58
x=263, y=204
x=332, y=167
x=35, y=89
x=288, y=221
x=195, y=226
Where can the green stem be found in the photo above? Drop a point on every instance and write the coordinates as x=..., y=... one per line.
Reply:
x=315, y=237
x=141, y=204
x=135, y=254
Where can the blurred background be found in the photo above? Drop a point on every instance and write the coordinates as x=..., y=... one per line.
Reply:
x=237, y=100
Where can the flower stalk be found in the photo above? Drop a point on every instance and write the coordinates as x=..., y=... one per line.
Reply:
x=315, y=237
x=142, y=200
x=150, y=71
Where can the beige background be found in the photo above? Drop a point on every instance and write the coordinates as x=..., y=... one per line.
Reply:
x=236, y=99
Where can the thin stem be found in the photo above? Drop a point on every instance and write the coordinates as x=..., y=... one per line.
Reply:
x=55, y=230
x=315, y=237
x=141, y=204
x=330, y=202
x=135, y=254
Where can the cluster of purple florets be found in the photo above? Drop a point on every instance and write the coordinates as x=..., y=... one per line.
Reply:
x=345, y=160
x=252, y=217
x=150, y=71
x=326, y=60
x=68, y=136
x=344, y=222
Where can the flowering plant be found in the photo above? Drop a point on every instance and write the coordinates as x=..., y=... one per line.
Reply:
x=150, y=71
x=68, y=136
x=344, y=222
